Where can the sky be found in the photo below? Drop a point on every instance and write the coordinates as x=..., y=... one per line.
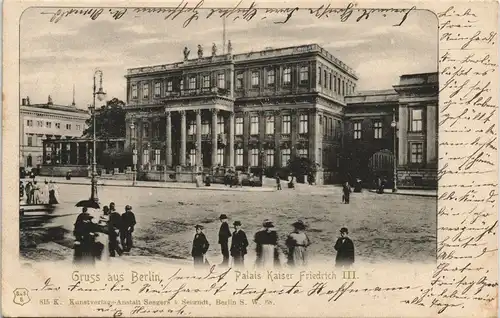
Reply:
x=56, y=56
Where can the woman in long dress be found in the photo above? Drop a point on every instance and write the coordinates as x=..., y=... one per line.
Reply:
x=297, y=243
x=53, y=193
x=266, y=241
x=35, y=193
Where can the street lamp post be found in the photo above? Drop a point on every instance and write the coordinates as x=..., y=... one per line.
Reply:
x=394, y=125
x=100, y=95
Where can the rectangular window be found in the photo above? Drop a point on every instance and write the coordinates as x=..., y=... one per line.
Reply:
x=377, y=129
x=220, y=124
x=255, y=79
x=287, y=76
x=206, y=81
x=192, y=82
x=357, y=130
x=48, y=124
x=157, y=157
x=192, y=156
x=220, y=156
x=325, y=126
x=134, y=91
x=338, y=85
x=169, y=86
x=157, y=89
x=331, y=80
x=192, y=127
x=334, y=83
x=416, y=119
x=254, y=157
x=304, y=74
x=285, y=125
x=303, y=153
x=58, y=125
x=145, y=156
x=221, y=82
x=145, y=90
x=254, y=125
x=285, y=156
x=319, y=76
x=343, y=88
x=29, y=123
x=78, y=127
x=303, y=124
x=270, y=125
x=68, y=126
x=146, y=130
x=205, y=127
x=239, y=80
x=181, y=85
x=325, y=76
x=270, y=77
x=417, y=152
x=269, y=157
x=39, y=123
x=30, y=141
x=238, y=126
x=239, y=157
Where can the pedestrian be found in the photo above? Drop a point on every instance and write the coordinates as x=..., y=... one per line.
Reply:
x=200, y=247
x=45, y=192
x=345, y=249
x=52, y=193
x=297, y=243
x=346, y=192
x=35, y=193
x=239, y=245
x=114, y=227
x=29, y=193
x=84, y=232
x=266, y=240
x=278, y=182
x=128, y=224
x=224, y=235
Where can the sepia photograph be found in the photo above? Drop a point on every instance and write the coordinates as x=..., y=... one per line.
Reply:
x=228, y=142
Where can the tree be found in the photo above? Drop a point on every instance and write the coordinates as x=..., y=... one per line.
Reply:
x=112, y=158
x=110, y=121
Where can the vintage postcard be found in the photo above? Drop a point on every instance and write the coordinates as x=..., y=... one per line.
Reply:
x=250, y=159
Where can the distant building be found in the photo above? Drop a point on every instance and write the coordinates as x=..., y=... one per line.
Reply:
x=261, y=109
x=46, y=121
x=369, y=136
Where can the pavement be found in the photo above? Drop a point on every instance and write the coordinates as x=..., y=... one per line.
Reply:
x=269, y=186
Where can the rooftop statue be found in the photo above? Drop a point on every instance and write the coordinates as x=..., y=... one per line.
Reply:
x=200, y=51
x=186, y=53
x=214, y=49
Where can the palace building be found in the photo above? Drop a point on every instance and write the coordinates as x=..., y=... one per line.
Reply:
x=261, y=109
x=39, y=122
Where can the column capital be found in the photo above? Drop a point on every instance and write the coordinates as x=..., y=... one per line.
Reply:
x=214, y=110
x=183, y=113
x=197, y=111
x=261, y=112
x=168, y=114
x=231, y=114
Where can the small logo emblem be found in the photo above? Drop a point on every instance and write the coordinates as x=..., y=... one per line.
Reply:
x=21, y=296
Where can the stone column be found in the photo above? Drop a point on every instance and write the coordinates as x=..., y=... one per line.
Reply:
x=246, y=137
x=294, y=132
x=277, y=138
x=168, y=142
x=231, y=140
x=403, y=138
x=214, y=136
x=198, y=137
x=77, y=153
x=182, y=154
x=44, y=152
x=59, y=148
x=431, y=137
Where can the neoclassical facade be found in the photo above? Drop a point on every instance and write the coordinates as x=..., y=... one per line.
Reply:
x=46, y=121
x=256, y=109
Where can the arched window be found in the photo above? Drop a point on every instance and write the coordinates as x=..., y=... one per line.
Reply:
x=29, y=161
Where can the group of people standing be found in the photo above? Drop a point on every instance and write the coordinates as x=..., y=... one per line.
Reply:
x=118, y=228
x=47, y=193
x=266, y=241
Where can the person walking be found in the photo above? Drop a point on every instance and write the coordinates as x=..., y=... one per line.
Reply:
x=345, y=249
x=35, y=193
x=239, y=245
x=200, y=247
x=266, y=240
x=52, y=193
x=29, y=192
x=45, y=192
x=224, y=235
x=114, y=227
x=346, y=192
x=278, y=182
x=297, y=243
x=84, y=232
x=128, y=224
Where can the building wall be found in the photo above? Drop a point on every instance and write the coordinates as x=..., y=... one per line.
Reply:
x=41, y=121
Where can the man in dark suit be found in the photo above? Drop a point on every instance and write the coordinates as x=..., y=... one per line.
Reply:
x=128, y=223
x=114, y=228
x=224, y=235
x=239, y=245
x=345, y=249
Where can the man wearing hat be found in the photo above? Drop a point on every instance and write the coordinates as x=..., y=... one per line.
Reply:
x=239, y=245
x=224, y=235
x=200, y=246
x=345, y=249
x=128, y=223
x=114, y=229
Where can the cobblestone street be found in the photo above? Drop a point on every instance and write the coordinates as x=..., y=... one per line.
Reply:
x=383, y=227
